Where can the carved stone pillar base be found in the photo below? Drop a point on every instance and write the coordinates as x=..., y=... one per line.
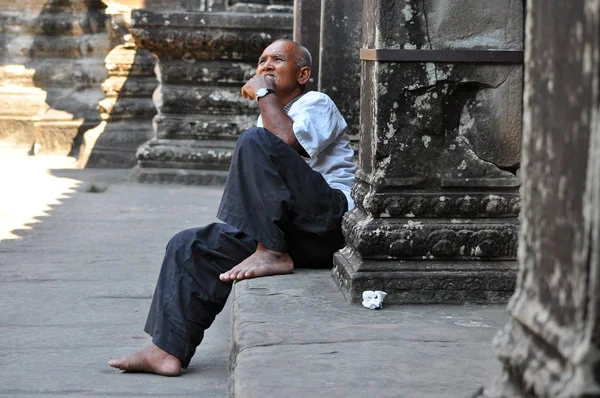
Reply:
x=184, y=161
x=113, y=144
x=20, y=104
x=437, y=186
x=50, y=67
x=424, y=282
x=17, y=129
x=126, y=111
x=58, y=132
x=179, y=176
x=428, y=260
x=204, y=60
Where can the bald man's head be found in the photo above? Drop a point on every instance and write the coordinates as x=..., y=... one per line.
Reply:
x=301, y=54
x=287, y=63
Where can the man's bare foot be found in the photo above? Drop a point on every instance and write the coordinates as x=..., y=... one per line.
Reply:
x=151, y=360
x=262, y=263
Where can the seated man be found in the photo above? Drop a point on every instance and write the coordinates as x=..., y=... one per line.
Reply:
x=288, y=188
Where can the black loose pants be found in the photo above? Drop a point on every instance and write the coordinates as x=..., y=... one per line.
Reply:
x=271, y=196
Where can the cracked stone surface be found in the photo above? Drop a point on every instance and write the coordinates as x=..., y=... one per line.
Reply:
x=445, y=128
x=295, y=336
x=551, y=346
x=438, y=114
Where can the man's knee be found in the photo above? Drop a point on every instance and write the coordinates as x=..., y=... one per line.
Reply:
x=187, y=236
x=255, y=136
x=181, y=237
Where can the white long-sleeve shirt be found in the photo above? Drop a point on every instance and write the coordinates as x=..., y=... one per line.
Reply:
x=321, y=130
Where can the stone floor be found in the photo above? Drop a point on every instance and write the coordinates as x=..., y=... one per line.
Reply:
x=80, y=252
x=77, y=271
x=295, y=336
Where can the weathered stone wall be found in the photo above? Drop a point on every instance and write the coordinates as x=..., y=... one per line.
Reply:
x=339, y=58
x=51, y=67
x=551, y=347
x=307, y=28
x=127, y=109
x=437, y=191
x=204, y=60
x=20, y=100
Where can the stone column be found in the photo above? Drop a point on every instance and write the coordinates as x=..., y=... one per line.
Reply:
x=339, y=58
x=127, y=110
x=51, y=69
x=204, y=58
x=437, y=185
x=551, y=346
x=20, y=99
x=307, y=27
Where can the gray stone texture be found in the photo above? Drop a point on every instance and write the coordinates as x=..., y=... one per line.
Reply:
x=437, y=191
x=127, y=109
x=77, y=276
x=550, y=347
x=339, y=59
x=203, y=60
x=307, y=27
x=51, y=56
x=294, y=336
x=76, y=284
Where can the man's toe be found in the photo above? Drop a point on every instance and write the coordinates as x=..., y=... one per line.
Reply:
x=226, y=277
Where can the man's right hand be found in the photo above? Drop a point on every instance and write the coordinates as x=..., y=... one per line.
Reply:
x=256, y=82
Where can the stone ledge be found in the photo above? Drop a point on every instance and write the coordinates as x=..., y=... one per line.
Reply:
x=145, y=18
x=294, y=335
x=425, y=282
x=179, y=176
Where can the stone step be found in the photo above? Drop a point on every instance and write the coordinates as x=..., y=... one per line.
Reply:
x=295, y=336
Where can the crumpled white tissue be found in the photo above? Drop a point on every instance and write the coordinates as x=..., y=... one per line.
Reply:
x=373, y=299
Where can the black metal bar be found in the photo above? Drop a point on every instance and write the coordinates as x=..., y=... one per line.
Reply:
x=444, y=56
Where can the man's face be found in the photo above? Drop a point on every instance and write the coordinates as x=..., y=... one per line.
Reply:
x=279, y=61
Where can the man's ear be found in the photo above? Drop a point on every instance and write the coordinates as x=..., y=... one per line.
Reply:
x=304, y=75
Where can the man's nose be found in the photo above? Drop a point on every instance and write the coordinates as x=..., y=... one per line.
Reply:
x=267, y=65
